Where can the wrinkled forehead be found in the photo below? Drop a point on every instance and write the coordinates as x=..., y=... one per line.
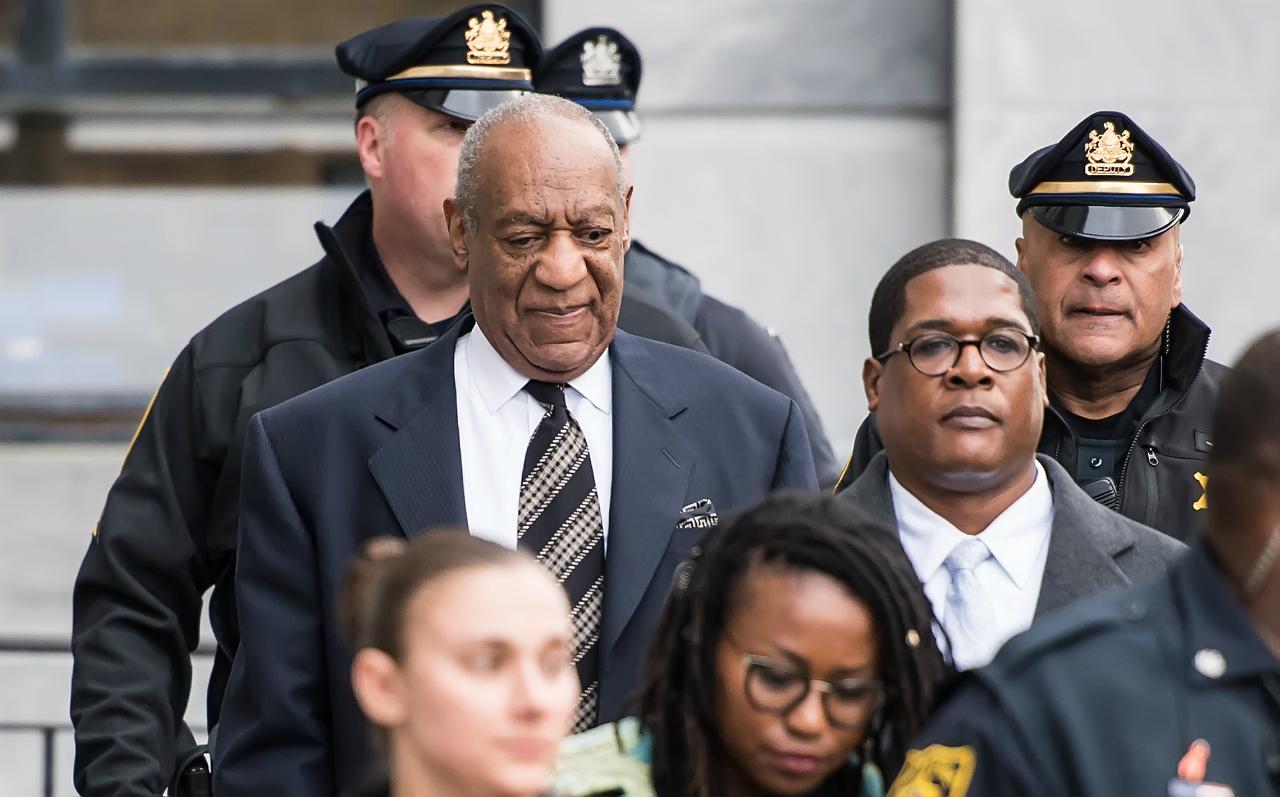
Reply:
x=964, y=297
x=551, y=143
x=522, y=158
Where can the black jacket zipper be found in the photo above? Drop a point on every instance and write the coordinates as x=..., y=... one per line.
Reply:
x=1137, y=435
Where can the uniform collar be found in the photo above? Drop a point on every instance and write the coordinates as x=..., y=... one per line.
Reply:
x=343, y=248
x=498, y=383
x=1219, y=636
x=384, y=297
x=1015, y=537
x=1188, y=344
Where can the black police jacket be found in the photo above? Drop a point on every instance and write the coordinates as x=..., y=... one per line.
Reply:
x=168, y=531
x=1107, y=697
x=1162, y=476
x=732, y=337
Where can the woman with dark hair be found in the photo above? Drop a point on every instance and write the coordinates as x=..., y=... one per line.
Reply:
x=796, y=657
x=463, y=663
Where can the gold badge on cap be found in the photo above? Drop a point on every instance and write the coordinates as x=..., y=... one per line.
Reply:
x=1109, y=153
x=601, y=62
x=488, y=40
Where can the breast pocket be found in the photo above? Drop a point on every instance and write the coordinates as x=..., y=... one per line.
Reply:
x=1178, y=499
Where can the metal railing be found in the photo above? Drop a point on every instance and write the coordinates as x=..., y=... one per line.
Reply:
x=48, y=731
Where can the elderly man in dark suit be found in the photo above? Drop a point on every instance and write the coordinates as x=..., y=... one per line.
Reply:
x=997, y=534
x=534, y=424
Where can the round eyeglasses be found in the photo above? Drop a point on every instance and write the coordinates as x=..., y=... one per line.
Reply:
x=777, y=688
x=935, y=353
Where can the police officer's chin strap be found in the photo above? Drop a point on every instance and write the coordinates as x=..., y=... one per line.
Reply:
x=1165, y=345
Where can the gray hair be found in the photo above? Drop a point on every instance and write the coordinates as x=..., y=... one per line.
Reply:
x=527, y=109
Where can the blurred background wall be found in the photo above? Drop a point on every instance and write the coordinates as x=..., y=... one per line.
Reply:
x=160, y=162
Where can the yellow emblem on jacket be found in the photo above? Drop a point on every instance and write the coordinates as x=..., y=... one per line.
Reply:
x=936, y=771
x=1203, y=502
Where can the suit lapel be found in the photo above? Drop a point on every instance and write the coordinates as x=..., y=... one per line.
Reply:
x=419, y=469
x=870, y=492
x=652, y=466
x=1083, y=544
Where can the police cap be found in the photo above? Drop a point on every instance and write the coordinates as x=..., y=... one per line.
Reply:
x=1106, y=180
x=599, y=69
x=461, y=65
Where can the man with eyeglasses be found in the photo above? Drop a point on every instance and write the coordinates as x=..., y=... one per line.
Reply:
x=1186, y=702
x=997, y=535
x=1130, y=386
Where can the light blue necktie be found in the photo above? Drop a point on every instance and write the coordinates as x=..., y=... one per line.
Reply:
x=970, y=621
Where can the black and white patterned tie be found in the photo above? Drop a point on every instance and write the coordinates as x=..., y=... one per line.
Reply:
x=560, y=523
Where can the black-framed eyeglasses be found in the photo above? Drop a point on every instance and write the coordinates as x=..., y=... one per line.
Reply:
x=935, y=353
x=778, y=688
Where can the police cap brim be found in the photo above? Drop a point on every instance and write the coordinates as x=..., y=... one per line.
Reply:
x=624, y=125
x=1106, y=222
x=464, y=104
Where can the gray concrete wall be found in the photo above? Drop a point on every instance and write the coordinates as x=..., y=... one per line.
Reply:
x=100, y=288
x=1197, y=76
x=51, y=496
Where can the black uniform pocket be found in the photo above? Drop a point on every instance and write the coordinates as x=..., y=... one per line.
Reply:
x=1177, y=501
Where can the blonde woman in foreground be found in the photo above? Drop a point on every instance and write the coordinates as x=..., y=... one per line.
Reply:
x=463, y=665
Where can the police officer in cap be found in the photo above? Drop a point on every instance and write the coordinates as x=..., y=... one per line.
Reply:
x=1169, y=689
x=599, y=68
x=1130, y=386
x=386, y=285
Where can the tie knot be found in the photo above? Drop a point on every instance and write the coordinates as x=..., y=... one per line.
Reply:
x=967, y=555
x=549, y=394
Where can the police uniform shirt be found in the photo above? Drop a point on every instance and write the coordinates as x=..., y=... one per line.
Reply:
x=1019, y=543
x=1108, y=697
x=496, y=419
x=1101, y=443
x=406, y=331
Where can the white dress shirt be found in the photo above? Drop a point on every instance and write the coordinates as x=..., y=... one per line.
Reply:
x=1019, y=543
x=496, y=418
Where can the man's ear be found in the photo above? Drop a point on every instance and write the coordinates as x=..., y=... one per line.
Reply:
x=379, y=688
x=457, y=234
x=371, y=145
x=1043, y=376
x=1177, y=277
x=626, y=220
x=1018, y=244
x=872, y=371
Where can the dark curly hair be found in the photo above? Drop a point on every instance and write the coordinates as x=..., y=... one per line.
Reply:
x=823, y=534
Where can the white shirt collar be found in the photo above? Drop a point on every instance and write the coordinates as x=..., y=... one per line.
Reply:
x=497, y=382
x=1014, y=538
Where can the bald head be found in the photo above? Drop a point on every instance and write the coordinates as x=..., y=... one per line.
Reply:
x=538, y=120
